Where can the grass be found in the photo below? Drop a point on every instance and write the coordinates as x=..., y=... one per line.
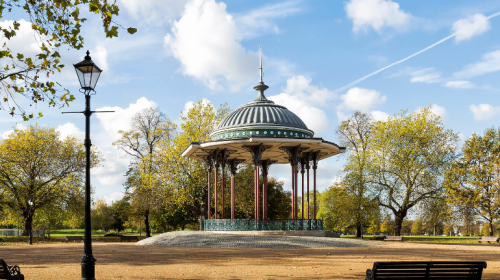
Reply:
x=431, y=239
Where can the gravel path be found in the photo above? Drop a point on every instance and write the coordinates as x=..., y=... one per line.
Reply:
x=223, y=240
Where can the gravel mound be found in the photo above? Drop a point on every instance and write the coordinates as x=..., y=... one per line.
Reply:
x=224, y=240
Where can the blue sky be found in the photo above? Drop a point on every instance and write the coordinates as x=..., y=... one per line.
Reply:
x=192, y=49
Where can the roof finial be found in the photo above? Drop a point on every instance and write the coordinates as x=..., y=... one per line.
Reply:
x=260, y=53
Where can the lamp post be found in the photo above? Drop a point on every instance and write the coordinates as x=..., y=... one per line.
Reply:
x=88, y=75
x=30, y=203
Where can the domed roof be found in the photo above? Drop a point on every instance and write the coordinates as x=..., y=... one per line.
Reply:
x=261, y=117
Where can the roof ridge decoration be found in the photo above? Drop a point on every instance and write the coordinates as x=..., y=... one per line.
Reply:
x=261, y=87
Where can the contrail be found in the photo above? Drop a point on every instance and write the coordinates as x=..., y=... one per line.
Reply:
x=405, y=59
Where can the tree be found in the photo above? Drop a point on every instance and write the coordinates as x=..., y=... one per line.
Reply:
x=337, y=205
x=121, y=212
x=473, y=180
x=408, y=156
x=435, y=212
x=186, y=178
x=387, y=225
x=417, y=227
x=55, y=24
x=102, y=216
x=354, y=134
x=141, y=142
x=37, y=166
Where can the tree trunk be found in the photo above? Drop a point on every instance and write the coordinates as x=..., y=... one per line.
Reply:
x=146, y=224
x=398, y=223
x=491, y=228
x=27, y=223
x=358, y=230
x=434, y=230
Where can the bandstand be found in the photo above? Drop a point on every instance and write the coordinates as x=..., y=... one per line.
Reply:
x=261, y=133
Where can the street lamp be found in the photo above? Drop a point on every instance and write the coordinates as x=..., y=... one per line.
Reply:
x=30, y=203
x=88, y=75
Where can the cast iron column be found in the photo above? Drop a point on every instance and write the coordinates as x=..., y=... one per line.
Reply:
x=294, y=153
x=88, y=260
x=265, y=164
x=216, y=170
x=293, y=192
x=256, y=151
x=209, y=202
x=302, y=171
x=233, y=166
x=314, y=158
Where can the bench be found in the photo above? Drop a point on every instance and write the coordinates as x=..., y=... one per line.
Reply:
x=129, y=238
x=394, y=238
x=489, y=239
x=10, y=272
x=73, y=238
x=1, y=240
x=470, y=270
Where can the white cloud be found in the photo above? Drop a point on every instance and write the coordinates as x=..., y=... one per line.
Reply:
x=255, y=22
x=206, y=41
x=361, y=99
x=301, y=87
x=70, y=129
x=113, y=197
x=7, y=133
x=121, y=118
x=100, y=57
x=427, y=75
x=379, y=116
x=24, y=42
x=314, y=118
x=490, y=62
x=439, y=110
x=113, y=169
x=155, y=12
x=484, y=111
x=376, y=14
x=459, y=84
x=469, y=27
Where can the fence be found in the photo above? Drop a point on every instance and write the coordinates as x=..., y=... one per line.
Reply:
x=261, y=225
x=15, y=232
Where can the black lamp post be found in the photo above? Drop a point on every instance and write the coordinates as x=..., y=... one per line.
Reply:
x=88, y=74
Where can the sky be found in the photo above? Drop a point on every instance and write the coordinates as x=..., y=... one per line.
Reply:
x=323, y=60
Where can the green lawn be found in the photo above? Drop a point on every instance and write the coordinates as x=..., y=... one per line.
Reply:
x=431, y=239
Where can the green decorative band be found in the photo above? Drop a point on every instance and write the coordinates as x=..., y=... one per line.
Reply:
x=260, y=133
x=261, y=224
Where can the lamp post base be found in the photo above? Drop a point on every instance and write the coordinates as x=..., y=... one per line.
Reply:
x=88, y=267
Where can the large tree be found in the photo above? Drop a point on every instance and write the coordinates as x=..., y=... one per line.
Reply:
x=473, y=180
x=355, y=134
x=38, y=167
x=55, y=24
x=149, y=128
x=186, y=178
x=408, y=156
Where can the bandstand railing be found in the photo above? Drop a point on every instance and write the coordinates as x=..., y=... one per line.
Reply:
x=261, y=224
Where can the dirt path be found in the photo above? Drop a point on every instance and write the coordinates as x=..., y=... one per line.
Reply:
x=128, y=261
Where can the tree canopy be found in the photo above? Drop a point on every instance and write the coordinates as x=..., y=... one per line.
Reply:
x=55, y=24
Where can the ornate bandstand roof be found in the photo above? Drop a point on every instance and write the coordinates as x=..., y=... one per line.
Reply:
x=261, y=121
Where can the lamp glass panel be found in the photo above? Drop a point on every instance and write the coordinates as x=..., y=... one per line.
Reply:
x=88, y=76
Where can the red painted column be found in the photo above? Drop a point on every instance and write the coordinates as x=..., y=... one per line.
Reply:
x=223, y=190
x=232, y=196
x=303, y=200
x=293, y=192
x=257, y=197
x=296, y=192
x=216, y=169
x=314, y=190
x=209, y=195
x=264, y=198
x=308, y=194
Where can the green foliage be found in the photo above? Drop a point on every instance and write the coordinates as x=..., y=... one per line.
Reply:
x=102, y=216
x=121, y=212
x=355, y=134
x=473, y=180
x=39, y=167
x=55, y=24
x=408, y=156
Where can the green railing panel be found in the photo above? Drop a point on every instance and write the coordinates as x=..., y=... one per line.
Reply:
x=261, y=225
